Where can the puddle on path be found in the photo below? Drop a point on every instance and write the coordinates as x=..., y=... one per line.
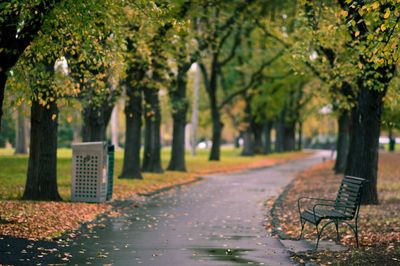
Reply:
x=224, y=254
x=231, y=237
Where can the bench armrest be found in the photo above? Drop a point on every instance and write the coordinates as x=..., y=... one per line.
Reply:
x=315, y=199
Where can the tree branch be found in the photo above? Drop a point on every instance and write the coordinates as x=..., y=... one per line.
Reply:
x=256, y=77
x=233, y=49
x=205, y=76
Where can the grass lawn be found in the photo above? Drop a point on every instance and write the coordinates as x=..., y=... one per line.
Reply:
x=379, y=225
x=50, y=219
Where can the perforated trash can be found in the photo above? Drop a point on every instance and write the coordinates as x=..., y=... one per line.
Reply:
x=111, y=151
x=89, y=171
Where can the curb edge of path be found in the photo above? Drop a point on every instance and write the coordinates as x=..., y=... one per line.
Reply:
x=278, y=203
x=167, y=188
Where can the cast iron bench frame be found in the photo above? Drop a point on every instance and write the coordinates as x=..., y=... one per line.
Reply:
x=343, y=209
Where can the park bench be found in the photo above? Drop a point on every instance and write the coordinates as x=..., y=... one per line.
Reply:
x=344, y=208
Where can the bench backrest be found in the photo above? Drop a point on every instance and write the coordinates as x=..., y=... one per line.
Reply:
x=348, y=198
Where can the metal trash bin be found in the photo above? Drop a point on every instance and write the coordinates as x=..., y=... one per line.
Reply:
x=111, y=152
x=89, y=172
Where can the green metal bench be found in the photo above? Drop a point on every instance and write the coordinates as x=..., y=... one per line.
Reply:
x=344, y=208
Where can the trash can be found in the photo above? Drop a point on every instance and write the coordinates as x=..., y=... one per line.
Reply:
x=111, y=151
x=89, y=172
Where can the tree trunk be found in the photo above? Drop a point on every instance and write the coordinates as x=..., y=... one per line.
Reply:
x=114, y=127
x=289, y=139
x=258, y=143
x=248, y=134
x=392, y=140
x=342, y=145
x=152, y=147
x=179, y=109
x=267, y=137
x=133, y=116
x=95, y=121
x=300, y=132
x=248, y=143
x=3, y=80
x=77, y=132
x=21, y=138
x=195, y=108
x=362, y=160
x=41, y=182
x=280, y=133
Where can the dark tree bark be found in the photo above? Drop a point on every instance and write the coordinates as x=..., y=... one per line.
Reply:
x=362, y=160
x=217, y=124
x=21, y=138
x=3, y=80
x=95, y=121
x=133, y=116
x=258, y=142
x=152, y=141
x=343, y=142
x=179, y=111
x=280, y=132
x=41, y=182
x=300, y=133
x=267, y=148
x=289, y=139
x=248, y=134
x=392, y=140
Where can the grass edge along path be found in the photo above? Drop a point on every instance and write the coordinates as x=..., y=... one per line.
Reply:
x=48, y=220
x=379, y=225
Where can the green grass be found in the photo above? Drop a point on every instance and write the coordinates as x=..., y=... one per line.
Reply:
x=14, y=168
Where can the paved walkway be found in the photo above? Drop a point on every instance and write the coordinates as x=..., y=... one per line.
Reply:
x=218, y=221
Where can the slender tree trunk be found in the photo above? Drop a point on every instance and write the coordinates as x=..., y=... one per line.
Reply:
x=362, y=160
x=267, y=137
x=179, y=111
x=300, y=133
x=3, y=80
x=77, y=133
x=248, y=134
x=392, y=140
x=343, y=142
x=114, y=127
x=133, y=116
x=280, y=133
x=152, y=149
x=21, y=139
x=217, y=125
x=195, y=108
x=41, y=182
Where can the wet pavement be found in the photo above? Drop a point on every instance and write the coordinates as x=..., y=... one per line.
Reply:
x=217, y=221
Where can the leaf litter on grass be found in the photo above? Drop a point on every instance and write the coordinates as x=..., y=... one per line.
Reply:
x=379, y=225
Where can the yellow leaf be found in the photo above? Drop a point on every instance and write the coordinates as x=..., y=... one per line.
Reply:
x=375, y=5
x=387, y=14
x=357, y=33
x=53, y=117
x=383, y=27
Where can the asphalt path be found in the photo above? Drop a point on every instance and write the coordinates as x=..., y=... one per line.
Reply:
x=217, y=221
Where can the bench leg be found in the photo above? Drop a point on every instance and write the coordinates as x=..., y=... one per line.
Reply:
x=356, y=234
x=337, y=230
x=318, y=237
x=302, y=222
